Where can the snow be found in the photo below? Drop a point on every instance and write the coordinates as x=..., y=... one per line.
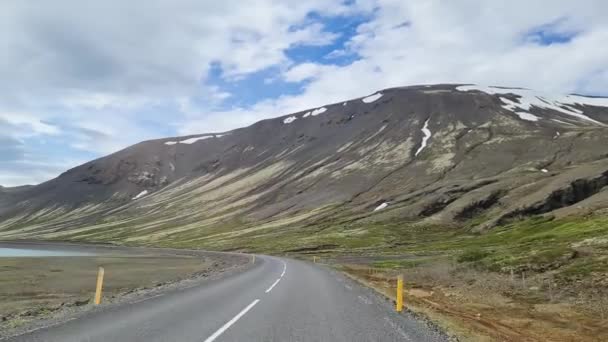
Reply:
x=172, y=167
x=290, y=120
x=544, y=170
x=372, y=98
x=193, y=140
x=381, y=206
x=344, y=104
x=141, y=194
x=529, y=98
x=527, y=116
x=307, y=114
x=318, y=111
x=427, y=135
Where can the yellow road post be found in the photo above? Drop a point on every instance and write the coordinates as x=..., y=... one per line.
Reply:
x=399, y=293
x=253, y=259
x=99, y=287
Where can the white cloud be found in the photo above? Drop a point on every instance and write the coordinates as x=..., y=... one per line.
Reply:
x=415, y=42
x=305, y=71
x=27, y=124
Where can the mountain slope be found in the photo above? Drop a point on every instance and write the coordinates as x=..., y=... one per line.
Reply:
x=445, y=154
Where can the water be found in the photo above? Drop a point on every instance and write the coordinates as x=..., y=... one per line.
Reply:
x=19, y=252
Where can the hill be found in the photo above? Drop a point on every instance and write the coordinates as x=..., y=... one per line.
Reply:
x=449, y=155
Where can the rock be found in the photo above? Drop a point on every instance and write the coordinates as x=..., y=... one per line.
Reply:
x=81, y=302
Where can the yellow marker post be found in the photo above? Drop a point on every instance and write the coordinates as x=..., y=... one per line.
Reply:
x=99, y=286
x=399, y=307
x=314, y=259
x=253, y=259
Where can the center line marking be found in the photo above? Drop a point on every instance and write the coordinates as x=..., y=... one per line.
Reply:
x=231, y=322
x=273, y=285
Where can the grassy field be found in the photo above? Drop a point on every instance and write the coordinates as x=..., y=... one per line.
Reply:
x=535, y=279
x=42, y=287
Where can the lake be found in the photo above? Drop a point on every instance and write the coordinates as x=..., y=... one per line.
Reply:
x=23, y=252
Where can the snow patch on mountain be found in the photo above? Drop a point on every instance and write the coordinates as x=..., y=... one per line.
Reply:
x=141, y=194
x=318, y=111
x=527, y=116
x=372, y=98
x=193, y=140
x=289, y=120
x=307, y=114
x=529, y=98
x=427, y=135
x=381, y=206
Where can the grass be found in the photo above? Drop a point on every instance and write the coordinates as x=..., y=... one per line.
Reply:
x=473, y=255
x=570, y=252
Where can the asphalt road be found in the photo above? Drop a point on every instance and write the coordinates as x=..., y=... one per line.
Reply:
x=276, y=300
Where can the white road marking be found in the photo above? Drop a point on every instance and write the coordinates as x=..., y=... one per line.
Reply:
x=278, y=280
x=273, y=285
x=231, y=322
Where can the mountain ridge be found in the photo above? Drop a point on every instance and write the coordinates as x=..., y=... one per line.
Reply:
x=429, y=154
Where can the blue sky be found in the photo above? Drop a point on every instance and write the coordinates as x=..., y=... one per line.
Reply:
x=83, y=80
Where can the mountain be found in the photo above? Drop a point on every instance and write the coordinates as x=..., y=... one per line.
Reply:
x=450, y=155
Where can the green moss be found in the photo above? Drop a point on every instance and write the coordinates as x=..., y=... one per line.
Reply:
x=472, y=255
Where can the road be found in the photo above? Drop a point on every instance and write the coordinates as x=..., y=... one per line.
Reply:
x=275, y=300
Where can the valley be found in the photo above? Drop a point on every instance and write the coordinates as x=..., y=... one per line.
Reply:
x=456, y=186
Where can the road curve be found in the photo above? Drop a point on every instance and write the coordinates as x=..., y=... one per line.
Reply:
x=276, y=300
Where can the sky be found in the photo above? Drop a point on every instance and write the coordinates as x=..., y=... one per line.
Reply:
x=82, y=79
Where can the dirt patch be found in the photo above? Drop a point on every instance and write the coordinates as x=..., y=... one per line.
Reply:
x=478, y=307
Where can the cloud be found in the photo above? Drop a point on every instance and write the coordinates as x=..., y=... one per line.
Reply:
x=10, y=150
x=25, y=124
x=305, y=71
x=413, y=42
